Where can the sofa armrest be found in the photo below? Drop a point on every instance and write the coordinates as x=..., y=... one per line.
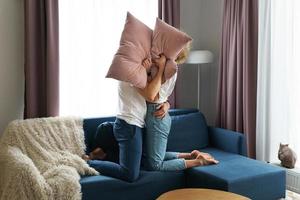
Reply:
x=227, y=140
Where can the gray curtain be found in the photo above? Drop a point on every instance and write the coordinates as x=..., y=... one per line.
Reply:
x=169, y=11
x=41, y=58
x=236, y=101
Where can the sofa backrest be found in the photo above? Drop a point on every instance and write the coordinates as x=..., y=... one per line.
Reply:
x=188, y=131
x=90, y=126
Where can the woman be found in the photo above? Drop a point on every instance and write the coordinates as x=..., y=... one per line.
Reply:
x=158, y=125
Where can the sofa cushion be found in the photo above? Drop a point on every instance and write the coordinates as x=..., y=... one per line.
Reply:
x=174, y=112
x=239, y=174
x=188, y=132
x=148, y=187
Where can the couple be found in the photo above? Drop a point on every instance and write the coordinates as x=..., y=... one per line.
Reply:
x=146, y=107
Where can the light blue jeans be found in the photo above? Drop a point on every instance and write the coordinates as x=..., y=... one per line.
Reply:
x=155, y=139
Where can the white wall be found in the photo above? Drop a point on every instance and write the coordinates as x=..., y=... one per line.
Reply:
x=201, y=19
x=11, y=61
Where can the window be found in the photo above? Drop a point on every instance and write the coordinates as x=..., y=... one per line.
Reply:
x=278, y=112
x=90, y=31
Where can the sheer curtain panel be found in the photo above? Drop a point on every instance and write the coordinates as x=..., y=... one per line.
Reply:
x=278, y=97
x=90, y=32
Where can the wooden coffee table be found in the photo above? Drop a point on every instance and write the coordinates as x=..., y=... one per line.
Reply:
x=200, y=194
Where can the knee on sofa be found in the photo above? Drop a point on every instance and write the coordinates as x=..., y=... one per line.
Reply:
x=130, y=175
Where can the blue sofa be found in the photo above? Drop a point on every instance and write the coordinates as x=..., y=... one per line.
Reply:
x=235, y=173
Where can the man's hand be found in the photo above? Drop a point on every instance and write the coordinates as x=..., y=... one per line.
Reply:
x=161, y=61
x=162, y=110
x=147, y=63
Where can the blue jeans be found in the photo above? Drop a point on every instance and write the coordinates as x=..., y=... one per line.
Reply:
x=129, y=138
x=156, y=138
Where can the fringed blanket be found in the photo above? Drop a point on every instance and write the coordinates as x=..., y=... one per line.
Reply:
x=41, y=159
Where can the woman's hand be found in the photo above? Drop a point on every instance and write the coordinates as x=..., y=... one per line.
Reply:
x=161, y=61
x=162, y=110
x=147, y=63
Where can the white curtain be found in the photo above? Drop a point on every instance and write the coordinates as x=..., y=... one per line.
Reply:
x=278, y=97
x=90, y=32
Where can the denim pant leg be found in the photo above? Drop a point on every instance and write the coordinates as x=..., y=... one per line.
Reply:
x=171, y=155
x=156, y=138
x=129, y=138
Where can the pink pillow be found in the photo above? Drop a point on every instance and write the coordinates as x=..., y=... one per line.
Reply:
x=135, y=46
x=169, y=41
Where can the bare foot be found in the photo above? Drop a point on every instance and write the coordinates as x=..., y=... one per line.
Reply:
x=85, y=157
x=196, y=153
x=97, y=154
x=206, y=160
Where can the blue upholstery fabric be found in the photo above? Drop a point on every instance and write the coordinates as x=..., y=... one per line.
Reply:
x=105, y=139
x=239, y=174
x=174, y=112
x=227, y=140
x=148, y=187
x=188, y=129
x=234, y=173
x=90, y=126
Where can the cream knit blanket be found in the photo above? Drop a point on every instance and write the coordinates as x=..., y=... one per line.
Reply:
x=41, y=159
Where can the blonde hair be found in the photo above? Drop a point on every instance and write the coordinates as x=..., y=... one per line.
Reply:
x=183, y=54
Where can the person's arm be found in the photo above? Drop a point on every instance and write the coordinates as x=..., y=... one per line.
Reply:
x=150, y=92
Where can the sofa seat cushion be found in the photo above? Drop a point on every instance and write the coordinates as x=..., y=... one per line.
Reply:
x=239, y=174
x=149, y=186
